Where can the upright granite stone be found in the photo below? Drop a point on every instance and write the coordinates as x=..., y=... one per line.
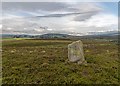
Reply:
x=75, y=52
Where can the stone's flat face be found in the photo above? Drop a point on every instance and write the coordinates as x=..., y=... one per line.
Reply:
x=75, y=52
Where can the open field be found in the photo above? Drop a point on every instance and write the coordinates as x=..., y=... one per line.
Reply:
x=30, y=61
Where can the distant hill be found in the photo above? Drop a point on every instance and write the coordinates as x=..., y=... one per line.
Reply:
x=16, y=36
x=53, y=35
x=105, y=33
x=90, y=35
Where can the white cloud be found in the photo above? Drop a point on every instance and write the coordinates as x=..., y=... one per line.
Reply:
x=25, y=28
x=97, y=22
x=10, y=16
x=9, y=28
x=102, y=20
x=0, y=26
x=39, y=30
x=49, y=29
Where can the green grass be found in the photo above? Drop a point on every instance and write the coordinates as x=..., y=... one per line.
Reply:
x=44, y=62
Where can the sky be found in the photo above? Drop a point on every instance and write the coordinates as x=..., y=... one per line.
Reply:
x=75, y=18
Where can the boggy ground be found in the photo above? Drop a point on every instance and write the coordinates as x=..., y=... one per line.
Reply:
x=45, y=62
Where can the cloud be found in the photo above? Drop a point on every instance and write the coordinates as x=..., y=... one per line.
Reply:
x=9, y=28
x=95, y=23
x=39, y=30
x=49, y=29
x=84, y=17
x=46, y=9
x=62, y=25
x=57, y=17
x=102, y=20
x=34, y=6
x=0, y=26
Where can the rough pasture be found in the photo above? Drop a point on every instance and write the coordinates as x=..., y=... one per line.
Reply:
x=45, y=62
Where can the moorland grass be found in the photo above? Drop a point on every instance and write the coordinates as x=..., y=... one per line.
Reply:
x=45, y=62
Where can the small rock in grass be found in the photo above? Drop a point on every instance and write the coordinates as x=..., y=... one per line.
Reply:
x=43, y=51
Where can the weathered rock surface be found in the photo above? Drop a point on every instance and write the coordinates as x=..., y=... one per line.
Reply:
x=75, y=52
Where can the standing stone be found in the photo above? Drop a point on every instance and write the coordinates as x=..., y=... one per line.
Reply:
x=75, y=52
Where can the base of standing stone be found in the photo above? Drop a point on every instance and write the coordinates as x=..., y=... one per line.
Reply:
x=84, y=63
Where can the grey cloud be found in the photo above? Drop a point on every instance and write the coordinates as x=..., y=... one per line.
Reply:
x=69, y=14
x=59, y=15
x=34, y=6
x=48, y=7
x=85, y=16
